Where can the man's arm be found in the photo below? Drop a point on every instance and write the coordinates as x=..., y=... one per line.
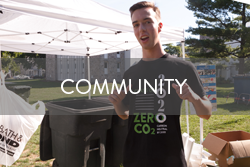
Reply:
x=120, y=108
x=202, y=105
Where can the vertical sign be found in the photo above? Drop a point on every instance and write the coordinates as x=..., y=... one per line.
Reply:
x=208, y=77
x=207, y=74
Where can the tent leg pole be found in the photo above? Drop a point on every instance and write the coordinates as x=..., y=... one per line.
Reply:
x=187, y=117
x=0, y=64
x=201, y=130
x=186, y=102
x=0, y=57
x=89, y=76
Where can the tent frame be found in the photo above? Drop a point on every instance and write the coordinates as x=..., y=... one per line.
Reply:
x=186, y=102
x=67, y=17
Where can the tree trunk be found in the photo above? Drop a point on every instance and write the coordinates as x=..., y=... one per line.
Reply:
x=243, y=40
x=241, y=65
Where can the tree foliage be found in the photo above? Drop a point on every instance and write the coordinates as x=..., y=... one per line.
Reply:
x=173, y=50
x=28, y=60
x=176, y=50
x=8, y=63
x=223, y=22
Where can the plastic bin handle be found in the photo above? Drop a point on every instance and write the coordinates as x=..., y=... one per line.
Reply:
x=101, y=120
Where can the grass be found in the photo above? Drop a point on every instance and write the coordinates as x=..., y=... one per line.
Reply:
x=48, y=91
x=229, y=116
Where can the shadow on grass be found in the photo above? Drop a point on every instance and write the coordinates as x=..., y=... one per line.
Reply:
x=234, y=121
x=233, y=107
x=224, y=93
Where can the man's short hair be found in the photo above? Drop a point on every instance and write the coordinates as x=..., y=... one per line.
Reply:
x=145, y=4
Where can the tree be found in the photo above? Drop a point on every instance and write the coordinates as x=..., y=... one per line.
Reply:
x=222, y=22
x=175, y=50
x=8, y=63
x=246, y=66
x=28, y=60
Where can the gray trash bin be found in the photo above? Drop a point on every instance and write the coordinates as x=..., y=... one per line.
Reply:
x=78, y=132
x=242, y=84
x=242, y=88
x=116, y=137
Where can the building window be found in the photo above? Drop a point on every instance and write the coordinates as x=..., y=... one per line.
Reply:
x=105, y=68
x=105, y=56
x=118, y=55
x=118, y=67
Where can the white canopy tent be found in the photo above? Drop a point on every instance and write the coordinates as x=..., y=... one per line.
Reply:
x=243, y=1
x=69, y=28
x=65, y=27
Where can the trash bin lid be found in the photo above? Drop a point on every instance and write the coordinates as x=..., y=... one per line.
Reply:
x=242, y=77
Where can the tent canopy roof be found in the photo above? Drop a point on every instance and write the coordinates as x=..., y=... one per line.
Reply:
x=243, y=1
x=69, y=28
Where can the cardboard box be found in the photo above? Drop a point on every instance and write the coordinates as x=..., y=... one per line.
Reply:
x=222, y=145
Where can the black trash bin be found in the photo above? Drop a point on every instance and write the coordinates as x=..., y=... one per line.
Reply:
x=45, y=139
x=116, y=137
x=21, y=90
x=78, y=132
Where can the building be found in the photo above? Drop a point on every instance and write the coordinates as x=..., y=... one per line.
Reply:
x=106, y=66
x=34, y=71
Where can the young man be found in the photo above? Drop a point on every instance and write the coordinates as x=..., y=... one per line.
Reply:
x=154, y=135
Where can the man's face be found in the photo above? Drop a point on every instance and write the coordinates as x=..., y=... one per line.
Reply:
x=146, y=27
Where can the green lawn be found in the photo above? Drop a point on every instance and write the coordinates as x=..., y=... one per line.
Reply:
x=51, y=91
x=228, y=117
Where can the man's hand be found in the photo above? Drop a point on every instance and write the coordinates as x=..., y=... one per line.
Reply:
x=116, y=99
x=187, y=92
x=202, y=105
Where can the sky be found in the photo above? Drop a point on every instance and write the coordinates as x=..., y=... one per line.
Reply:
x=173, y=12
